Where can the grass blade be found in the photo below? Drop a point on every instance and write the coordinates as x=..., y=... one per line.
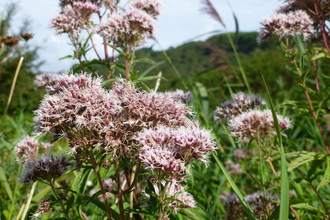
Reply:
x=236, y=190
x=284, y=205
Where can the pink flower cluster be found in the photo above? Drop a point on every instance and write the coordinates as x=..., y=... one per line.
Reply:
x=240, y=103
x=185, y=97
x=175, y=191
x=74, y=17
x=286, y=24
x=133, y=26
x=149, y=127
x=28, y=149
x=77, y=107
x=152, y=7
x=256, y=124
x=244, y=121
x=167, y=151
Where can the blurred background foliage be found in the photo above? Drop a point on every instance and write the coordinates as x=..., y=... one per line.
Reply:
x=25, y=98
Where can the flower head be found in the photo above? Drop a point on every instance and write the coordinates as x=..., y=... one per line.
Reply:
x=256, y=123
x=47, y=168
x=259, y=204
x=167, y=151
x=85, y=9
x=285, y=24
x=240, y=103
x=185, y=97
x=127, y=29
x=79, y=109
x=152, y=7
x=175, y=191
x=28, y=149
x=74, y=17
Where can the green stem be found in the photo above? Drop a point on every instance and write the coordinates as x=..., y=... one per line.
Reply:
x=12, y=89
x=162, y=197
x=239, y=63
x=27, y=204
x=315, y=116
x=14, y=194
x=120, y=196
x=100, y=180
x=65, y=211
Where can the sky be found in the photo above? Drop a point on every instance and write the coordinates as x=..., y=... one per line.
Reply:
x=179, y=22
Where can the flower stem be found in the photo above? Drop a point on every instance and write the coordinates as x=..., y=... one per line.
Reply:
x=99, y=178
x=65, y=211
x=312, y=108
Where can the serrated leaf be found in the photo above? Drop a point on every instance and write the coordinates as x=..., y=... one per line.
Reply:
x=326, y=178
x=304, y=157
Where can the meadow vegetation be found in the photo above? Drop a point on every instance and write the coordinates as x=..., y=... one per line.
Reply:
x=234, y=127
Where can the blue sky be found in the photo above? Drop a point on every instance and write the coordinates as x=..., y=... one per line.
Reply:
x=181, y=20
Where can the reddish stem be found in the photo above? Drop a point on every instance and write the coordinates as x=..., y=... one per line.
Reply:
x=322, y=28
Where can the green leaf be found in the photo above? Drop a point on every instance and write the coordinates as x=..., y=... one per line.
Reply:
x=67, y=57
x=304, y=157
x=308, y=208
x=80, y=182
x=5, y=184
x=147, y=78
x=146, y=72
x=123, y=54
x=204, y=99
x=189, y=214
x=320, y=55
x=326, y=178
x=41, y=194
x=144, y=60
x=101, y=205
x=292, y=69
x=70, y=203
x=247, y=208
x=206, y=212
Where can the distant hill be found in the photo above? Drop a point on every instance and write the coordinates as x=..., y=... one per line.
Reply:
x=212, y=61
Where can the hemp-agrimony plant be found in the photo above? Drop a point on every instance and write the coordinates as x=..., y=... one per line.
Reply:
x=135, y=147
